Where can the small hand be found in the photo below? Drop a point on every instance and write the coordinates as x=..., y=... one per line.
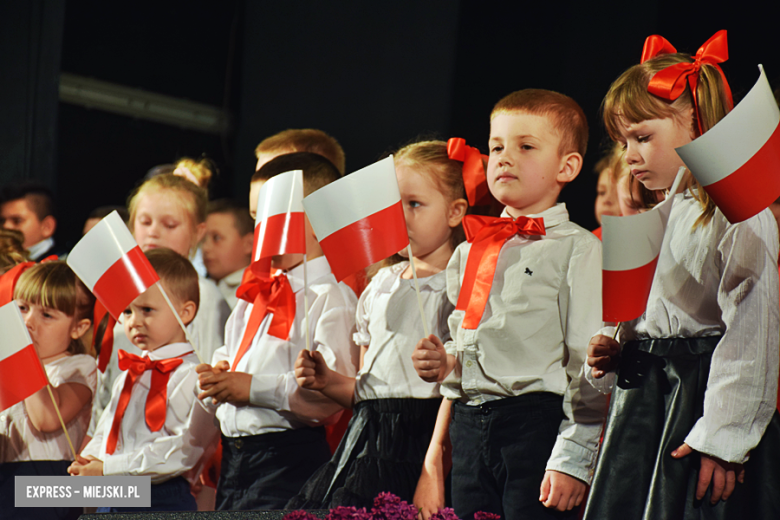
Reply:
x=603, y=353
x=723, y=475
x=430, y=359
x=86, y=467
x=226, y=387
x=560, y=491
x=311, y=371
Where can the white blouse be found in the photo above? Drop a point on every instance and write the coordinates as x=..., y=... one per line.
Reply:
x=389, y=324
x=20, y=440
x=719, y=279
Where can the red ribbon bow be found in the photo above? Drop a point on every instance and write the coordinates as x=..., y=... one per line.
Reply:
x=474, y=178
x=156, y=401
x=670, y=82
x=9, y=279
x=487, y=235
x=268, y=294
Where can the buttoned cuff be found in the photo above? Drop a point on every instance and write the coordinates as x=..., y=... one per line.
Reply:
x=265, y=391
x=571, y=458
x=714, y=445
x=117, y=464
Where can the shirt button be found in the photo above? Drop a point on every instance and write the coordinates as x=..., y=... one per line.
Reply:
x=239, y=444
x=468, y=363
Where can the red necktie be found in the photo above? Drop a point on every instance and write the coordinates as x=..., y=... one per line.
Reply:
x=267, y=294
x=487, y=236
x=156, y=401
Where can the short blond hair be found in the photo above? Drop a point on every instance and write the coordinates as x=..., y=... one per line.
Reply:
x=194, y=198
x=176, y=273
x=304, y=140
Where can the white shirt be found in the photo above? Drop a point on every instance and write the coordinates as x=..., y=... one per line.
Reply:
x=38, y=250
x=206, y=330
x=389, y=324
x=180, y=447
x=21, y=441
x=719, y=279
x=228, y=286
x=277, y=403
x=533, y=336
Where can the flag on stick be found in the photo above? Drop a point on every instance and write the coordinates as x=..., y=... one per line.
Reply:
x=631, y=245
x=21, y=372
x=738, y=160
x=279, y=227
x=111, y=264
x=359, y=219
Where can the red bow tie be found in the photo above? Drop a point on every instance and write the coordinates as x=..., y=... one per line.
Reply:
x=268, y=295
x=156, y=401
x=487, y=236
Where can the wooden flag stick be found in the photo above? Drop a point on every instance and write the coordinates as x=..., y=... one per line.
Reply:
x=306, y=302
x=616, y=330
x=62, y=422
x=417, y=289
x=178, y=318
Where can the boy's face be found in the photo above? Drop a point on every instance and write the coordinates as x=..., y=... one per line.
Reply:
x=149, y=322
x=524, y=164
x=16, y=214
x=224, y=249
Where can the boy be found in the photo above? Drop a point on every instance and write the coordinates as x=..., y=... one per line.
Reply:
x=300, y=140
x=523, y=414
x=272, y=434
x=29, y=208
x=135, y=439
x=227, y=247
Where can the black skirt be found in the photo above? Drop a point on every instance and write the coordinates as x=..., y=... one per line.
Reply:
x=383, y=449
x=658, y=397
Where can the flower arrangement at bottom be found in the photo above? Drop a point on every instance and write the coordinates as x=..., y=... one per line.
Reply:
x=387, y=506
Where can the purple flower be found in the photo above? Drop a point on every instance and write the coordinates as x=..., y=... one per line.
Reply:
x=388, y=506
x=483, y=515
x=299, y=515
x=348, y=513
x=445, y=514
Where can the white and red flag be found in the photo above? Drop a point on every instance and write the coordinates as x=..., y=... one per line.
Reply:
x=279, y=227
x=631, y=245
x=111, y=264
x=738, y=160
x=359, y=219
x=21, y=372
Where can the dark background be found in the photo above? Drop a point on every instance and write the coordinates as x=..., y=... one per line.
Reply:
x=375, y=75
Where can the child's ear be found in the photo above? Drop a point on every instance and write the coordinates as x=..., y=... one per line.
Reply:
x=48, y=226
x=80, y=328
x=458, y=208
x=571, y=164
x=248, y=242
x=187, y=312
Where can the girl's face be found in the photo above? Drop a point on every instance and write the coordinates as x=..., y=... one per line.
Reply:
x=650, y=149
x=606, y=196
x=161, y=220
x=51, y=330
x=428, y=212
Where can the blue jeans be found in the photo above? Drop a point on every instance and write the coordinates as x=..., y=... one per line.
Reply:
x=499, y=454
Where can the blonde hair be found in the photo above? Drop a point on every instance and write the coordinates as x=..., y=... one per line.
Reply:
x=628, y=101
x=12, y=251
x=54, y=285
x=568, y=119
x=176, y=273
x=203, y=170
x=304, y=140
x=191, y=196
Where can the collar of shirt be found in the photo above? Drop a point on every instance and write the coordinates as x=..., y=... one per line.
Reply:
x=40, y=248
x=552, y=216
x=316, y=269
x=233, y=279
x=436, y=283
x=169, y=351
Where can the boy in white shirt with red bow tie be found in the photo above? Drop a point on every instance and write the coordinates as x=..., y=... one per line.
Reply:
x=154, y=424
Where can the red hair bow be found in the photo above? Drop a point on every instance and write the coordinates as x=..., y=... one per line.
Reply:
x=474, y=178
x=670, y=82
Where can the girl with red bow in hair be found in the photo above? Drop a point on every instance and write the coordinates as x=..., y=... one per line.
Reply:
x=693, y=380
x=57, y=310
x=394, y=410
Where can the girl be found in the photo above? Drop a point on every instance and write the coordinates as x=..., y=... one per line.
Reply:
x=169, y=211
x=57, y=310
x=394, y=410
x=697, y=374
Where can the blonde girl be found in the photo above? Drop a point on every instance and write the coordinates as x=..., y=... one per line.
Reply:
x=394, y=410
x=57, y=310
x=697, y=373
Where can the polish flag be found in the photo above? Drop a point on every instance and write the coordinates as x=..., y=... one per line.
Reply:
x=631, y=245
x=21, y=372
x=359, y=219
x=738, y=160
x=279, y=227
x=111, y=264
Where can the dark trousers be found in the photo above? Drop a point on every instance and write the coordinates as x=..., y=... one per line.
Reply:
x=171, y=495
x=499, y=454
x=263, y=472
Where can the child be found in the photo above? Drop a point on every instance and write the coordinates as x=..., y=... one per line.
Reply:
x=57, y=310
x=169, y=211
x=301, y=140
x=523, y=416
x=394, y=411
x=272, y=434
x=606, y=194
x=134, y=440
x=227, y=248
x=698, y=371
x=29, y=207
